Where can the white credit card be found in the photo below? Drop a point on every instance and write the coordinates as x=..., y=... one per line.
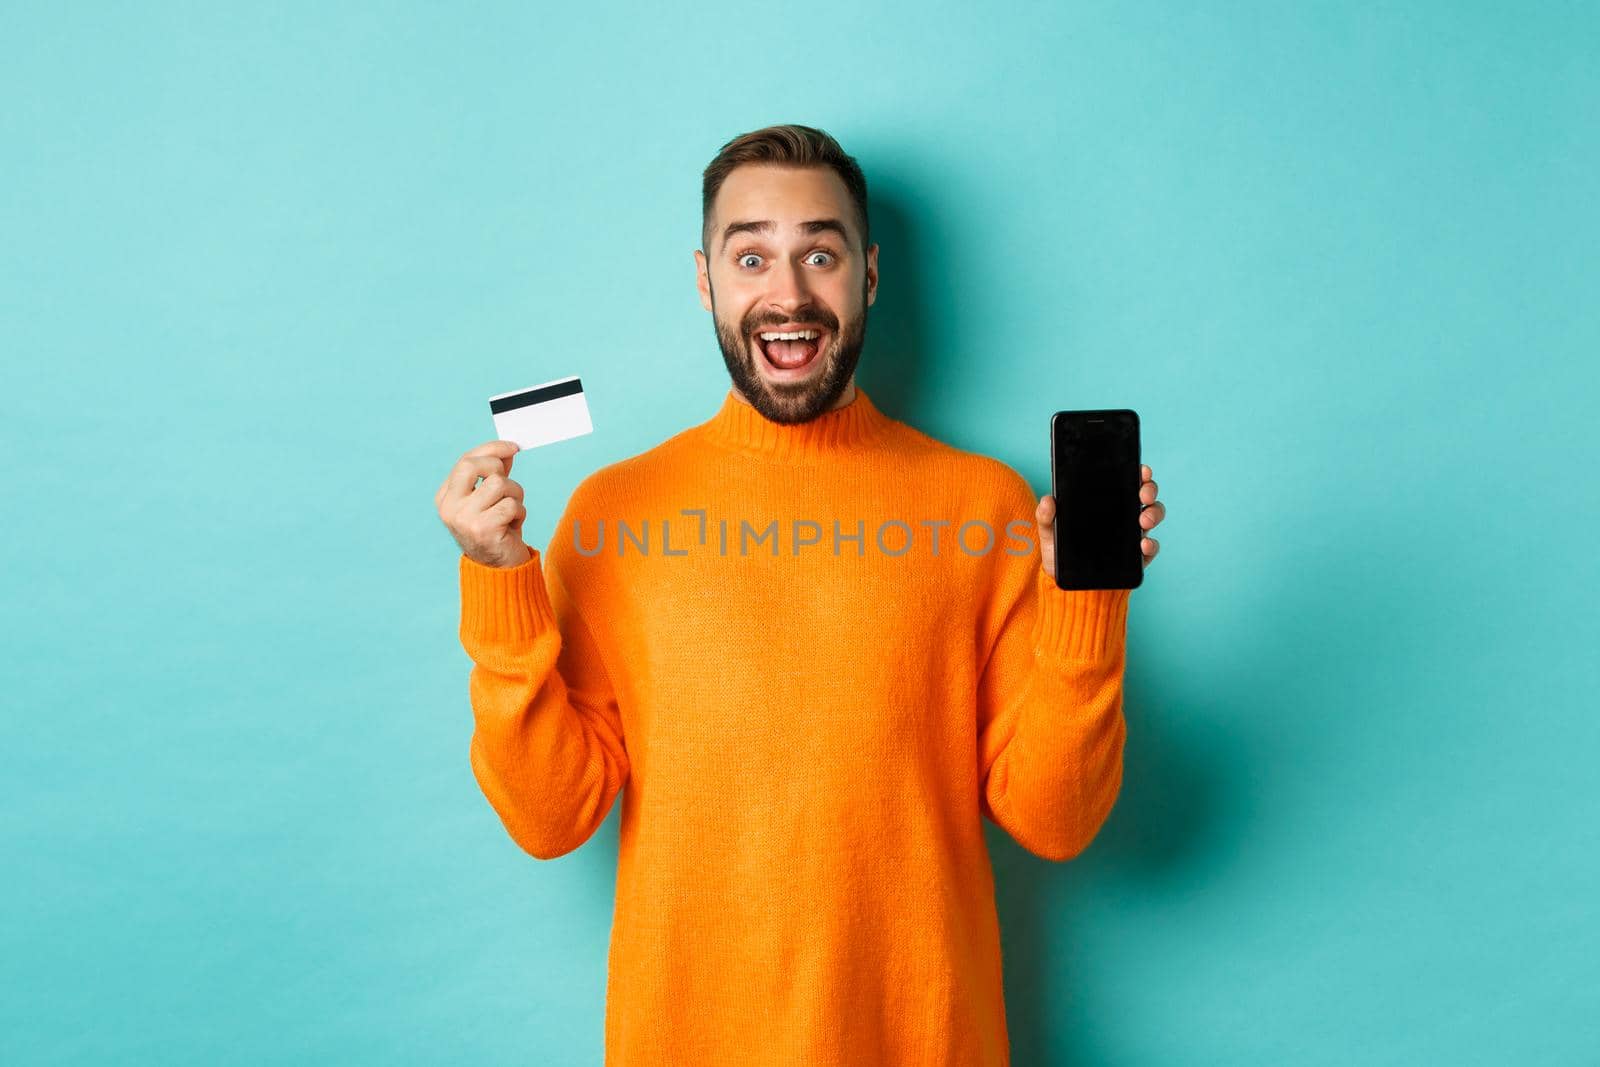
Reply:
x=542, y=414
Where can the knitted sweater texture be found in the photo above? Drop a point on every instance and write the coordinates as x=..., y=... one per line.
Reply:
x=791, y=653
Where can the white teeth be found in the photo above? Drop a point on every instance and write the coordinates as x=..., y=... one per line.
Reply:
x=795, y=335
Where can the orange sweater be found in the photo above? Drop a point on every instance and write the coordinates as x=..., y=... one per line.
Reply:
x=807, y=737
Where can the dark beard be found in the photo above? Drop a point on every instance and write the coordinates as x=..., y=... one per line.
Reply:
x=792, y=402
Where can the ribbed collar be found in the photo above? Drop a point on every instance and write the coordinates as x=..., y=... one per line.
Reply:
x=740, y=427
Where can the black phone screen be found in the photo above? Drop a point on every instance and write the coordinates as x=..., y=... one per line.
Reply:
x=1095, y=477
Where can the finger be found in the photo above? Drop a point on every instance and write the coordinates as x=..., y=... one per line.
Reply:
x=1148, y=492
x=494, y=488
x=1045, y=513
x=480, y=462
x=505, y=451
x=497, y=487
x=1149, y=547
x=463, y=477
x=1152, y=514
x=507, y=509
x=1145, y=473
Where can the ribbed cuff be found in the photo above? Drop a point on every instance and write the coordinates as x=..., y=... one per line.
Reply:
x=504, y=603
x=1080, y=624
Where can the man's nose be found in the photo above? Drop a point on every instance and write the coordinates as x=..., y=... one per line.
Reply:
x=789, y=289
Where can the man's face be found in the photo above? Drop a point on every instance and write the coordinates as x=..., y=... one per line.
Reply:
x=785, y=255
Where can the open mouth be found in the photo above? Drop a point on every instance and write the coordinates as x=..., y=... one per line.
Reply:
x=790, y=350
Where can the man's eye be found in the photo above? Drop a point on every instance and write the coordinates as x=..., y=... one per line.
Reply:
x=743, y=258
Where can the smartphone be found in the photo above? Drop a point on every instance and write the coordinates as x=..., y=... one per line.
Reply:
x=1095, y=478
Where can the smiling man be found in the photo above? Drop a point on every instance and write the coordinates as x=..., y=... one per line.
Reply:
x=845, y=650
x=790, y=247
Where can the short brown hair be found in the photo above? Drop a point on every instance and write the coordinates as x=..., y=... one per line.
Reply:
x=790, y=146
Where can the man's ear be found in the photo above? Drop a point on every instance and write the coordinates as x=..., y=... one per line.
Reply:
x=702, y=280
x=872, y=274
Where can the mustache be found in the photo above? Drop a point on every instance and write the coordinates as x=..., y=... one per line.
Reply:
x=821, y=318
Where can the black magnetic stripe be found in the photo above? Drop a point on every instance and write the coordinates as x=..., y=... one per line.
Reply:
x=536, y=396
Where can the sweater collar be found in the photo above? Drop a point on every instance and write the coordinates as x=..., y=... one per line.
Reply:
x=740, y=427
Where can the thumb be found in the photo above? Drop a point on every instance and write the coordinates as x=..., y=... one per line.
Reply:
x=509, y=454
x=1045, y=516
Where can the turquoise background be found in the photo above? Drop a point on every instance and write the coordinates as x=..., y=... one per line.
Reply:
x=262, y=268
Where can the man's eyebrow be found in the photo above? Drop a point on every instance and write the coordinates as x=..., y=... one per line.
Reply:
x=766, y=226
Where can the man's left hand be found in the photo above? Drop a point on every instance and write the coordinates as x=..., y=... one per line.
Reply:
x=1151, y=512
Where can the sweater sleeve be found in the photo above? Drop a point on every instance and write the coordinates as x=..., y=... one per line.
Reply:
x=547, y=744
x=1050, y=723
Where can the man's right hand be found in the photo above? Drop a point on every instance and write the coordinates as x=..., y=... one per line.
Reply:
x=485, y=520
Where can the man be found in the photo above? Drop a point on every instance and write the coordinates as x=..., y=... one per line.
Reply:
x=811, y=730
